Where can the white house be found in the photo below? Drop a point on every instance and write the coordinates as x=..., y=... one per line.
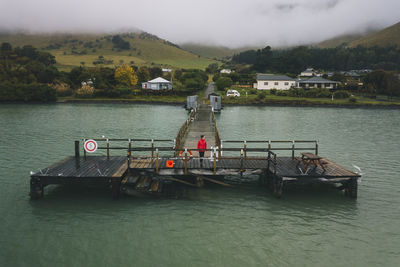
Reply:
x=317, y=82
x=226, y=71
x=157, y=84
x=271, y=81
x=310, y=72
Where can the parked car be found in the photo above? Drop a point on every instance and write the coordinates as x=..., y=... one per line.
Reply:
x=232, y=93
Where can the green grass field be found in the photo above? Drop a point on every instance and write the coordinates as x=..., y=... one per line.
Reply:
x=287, y=100
x=73, y=50
x=212, y=51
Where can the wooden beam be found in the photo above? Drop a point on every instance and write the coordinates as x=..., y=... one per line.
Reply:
x=216, y=181
x=182, y=182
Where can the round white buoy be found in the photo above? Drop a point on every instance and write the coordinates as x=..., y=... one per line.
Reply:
x=90, y=146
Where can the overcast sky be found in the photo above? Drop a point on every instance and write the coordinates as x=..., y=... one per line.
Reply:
x=232, y=23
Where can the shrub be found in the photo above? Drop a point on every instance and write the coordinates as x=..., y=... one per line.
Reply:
x=223, y=82
x=253, y=91
x=352, y=99
x=27, y=92
x=317, y=93
x=273, y=91
x=282, y=93
x=85, y=91
x=62, y=89
x=341, y=94
x=261, y=95
x=296, y=92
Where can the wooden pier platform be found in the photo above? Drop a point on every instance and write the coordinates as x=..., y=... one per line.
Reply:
x=91, y=170
x=150, y=168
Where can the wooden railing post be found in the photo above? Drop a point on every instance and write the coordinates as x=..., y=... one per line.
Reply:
x=152, y=150
x=185, y=161
x=157, y=161
x=129, y=147
x=316, y=147
x=84, y=150
x=129, y=158
x=245, y=150
x=293, y=150
x=108, y=149
x=77, y=149
x=215, y=161
x=241, y=161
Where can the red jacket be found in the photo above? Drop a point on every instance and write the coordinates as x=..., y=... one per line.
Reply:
x=202, y=144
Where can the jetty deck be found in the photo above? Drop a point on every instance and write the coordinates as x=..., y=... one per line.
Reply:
x=148, y=165
x=202, y=123
x=93, y=167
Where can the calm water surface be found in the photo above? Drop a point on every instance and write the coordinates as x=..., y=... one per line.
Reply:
x=243, y=226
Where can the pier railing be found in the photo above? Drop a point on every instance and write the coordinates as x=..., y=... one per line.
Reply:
x=156, y=147
x=184, y=129
x=217, y=138
x=284, y=145
x=134, y=145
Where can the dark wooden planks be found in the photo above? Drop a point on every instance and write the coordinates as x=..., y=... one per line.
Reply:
x=93, y=166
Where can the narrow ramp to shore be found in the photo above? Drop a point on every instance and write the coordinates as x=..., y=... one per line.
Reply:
x=202, y=124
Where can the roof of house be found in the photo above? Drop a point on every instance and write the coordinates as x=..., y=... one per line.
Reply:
x=273, y=77
x=159, y=80
x=317, y=80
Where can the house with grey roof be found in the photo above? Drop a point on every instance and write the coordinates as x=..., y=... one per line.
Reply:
x=310, y=72
x=157, y=84
x=317, y=82
x=272, y=81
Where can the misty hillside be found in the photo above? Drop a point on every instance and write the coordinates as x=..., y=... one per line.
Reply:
x=339, y=40
x=109, y=50
x=386, y=37
x=213, y=52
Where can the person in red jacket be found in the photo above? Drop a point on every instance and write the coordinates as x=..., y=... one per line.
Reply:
x=201, y=144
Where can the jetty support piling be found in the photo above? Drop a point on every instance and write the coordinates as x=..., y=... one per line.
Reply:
x=77, y=148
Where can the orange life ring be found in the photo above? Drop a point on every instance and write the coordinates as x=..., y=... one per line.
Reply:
x=186, y=159
x=170, y=163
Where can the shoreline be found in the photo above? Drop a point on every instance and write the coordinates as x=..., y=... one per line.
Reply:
x=180, y=103
x=276, y=104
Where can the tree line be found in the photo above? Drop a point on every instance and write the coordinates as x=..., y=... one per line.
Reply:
x=27, y=74
x=295, y=60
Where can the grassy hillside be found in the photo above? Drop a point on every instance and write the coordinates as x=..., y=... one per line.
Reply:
x=340, y=40
x=385, y=37
x=76, y=49
x=213, y=52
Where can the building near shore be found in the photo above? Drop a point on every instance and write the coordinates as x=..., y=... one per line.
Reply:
x=272, y=81
x=310, y=72
x=226, y=71
x=317, y=82
x=157, y=84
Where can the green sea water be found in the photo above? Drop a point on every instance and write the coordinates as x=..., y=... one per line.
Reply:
x=213, y=226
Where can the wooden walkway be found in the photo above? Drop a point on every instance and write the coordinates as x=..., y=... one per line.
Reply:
x=201, y=125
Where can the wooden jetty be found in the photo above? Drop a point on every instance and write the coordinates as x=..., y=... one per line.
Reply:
x=155, y=166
